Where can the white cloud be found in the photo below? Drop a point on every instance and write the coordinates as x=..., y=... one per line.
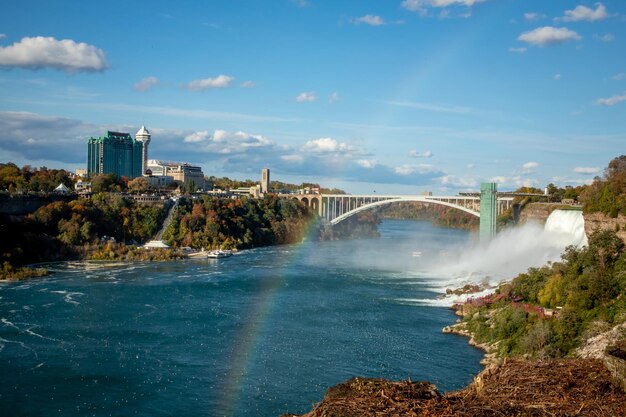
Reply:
x=248, y=84
x=517, y=181
x=367, y=163
x=220, y=135
x=608, y=37
x=416, y=154
x=369, y=19
x=221, y=81
x=586, y=170
x=529, y=167
x=306, y=97
x=412, y=169
x=2, y=36
x=557, y=76
x=421, y=6
x=334, y=97
x=197, y=137
x=238, y=142
x=611, y=101
x=458, y=182
x=619, y=77
x=47, y=52
x=224, y=142
x=292, y=158
x=330, y=146
x=146, y=84
x=533, y=17
x=548, y=35
x=518, y=50
x=585, y=13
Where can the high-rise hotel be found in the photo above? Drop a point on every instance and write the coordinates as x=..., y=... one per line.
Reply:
x=118, y=153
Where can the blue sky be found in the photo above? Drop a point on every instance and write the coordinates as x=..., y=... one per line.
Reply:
x=397, y=96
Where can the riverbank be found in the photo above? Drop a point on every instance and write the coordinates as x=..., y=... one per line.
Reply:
x=10, y=273
x=517, y=387
x=592, y=384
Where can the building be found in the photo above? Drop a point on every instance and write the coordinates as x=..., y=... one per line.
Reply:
x=265, y=180
x=181, y=173
x=143, y=136
x=115, y=153
x=159, y=181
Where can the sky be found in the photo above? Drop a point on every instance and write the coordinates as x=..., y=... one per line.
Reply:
x=385, y=96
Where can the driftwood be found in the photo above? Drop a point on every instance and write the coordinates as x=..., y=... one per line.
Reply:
x=521, y=388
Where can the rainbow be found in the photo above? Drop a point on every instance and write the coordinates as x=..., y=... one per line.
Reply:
x=258, y=317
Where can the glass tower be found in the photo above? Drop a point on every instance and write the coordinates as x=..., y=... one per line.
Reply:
x=116, y=153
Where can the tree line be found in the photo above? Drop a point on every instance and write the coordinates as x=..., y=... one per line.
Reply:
x=208, y=222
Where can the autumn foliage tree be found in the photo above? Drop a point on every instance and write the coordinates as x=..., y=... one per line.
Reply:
x=28, y=179
x=608, y=194
x=240, y=223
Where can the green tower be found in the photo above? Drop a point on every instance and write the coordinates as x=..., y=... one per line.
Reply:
x=488, y=210
x=116, y=153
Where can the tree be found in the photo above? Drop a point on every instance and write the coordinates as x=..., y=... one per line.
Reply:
x=103, y=183
x=138, y=185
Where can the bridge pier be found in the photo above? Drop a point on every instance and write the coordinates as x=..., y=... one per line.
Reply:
x=488, y=210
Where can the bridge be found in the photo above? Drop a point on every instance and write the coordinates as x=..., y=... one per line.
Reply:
x=486, y=205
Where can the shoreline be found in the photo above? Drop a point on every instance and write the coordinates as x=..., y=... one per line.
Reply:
x=460, y=328
x=515, y=386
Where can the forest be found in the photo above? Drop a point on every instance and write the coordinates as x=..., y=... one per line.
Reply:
x=111, y=227
x=27, y=179
x=71, y=230
x=207, y=222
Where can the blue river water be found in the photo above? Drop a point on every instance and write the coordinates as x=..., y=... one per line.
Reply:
x=262, y=333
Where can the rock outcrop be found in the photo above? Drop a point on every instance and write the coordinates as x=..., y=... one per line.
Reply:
x=539, y=212
x=600, y=221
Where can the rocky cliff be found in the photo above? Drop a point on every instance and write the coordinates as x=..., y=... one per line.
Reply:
x=539, y=212
x=595, y=221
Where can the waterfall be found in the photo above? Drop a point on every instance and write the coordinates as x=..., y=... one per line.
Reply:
x=568, y=225
x=510, y=253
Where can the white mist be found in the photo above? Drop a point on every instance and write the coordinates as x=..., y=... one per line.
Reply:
x=511, y=252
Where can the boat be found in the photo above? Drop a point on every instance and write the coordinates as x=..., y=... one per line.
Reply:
x=219, y=253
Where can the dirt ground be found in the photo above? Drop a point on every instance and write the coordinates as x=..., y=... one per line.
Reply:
x=559, y=387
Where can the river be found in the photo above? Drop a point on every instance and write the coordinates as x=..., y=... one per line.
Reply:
x=262, y=333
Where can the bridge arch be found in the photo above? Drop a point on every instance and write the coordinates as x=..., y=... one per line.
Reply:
x=314, y=203
x=416, y=199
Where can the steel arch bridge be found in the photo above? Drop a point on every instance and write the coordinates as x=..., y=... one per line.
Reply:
x=338, y=207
